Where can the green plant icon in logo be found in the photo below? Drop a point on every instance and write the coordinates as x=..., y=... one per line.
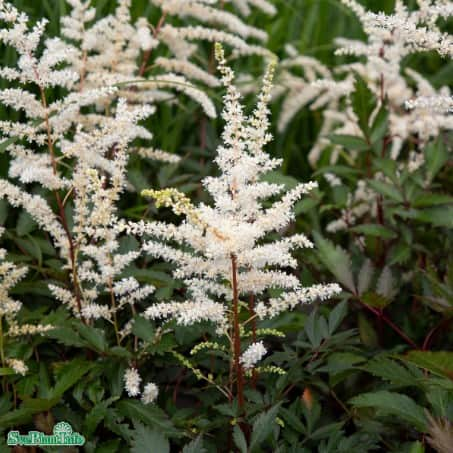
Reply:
x=62, y=428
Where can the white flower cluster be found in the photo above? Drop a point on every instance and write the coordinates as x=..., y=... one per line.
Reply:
x=390, y=38
x=18, y=366
x=94, y=146
x=132, y=381
x=236, y=226
x=252, y=355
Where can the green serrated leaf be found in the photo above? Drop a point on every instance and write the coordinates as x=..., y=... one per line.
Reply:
x=349, y=142
x=196, y=446
x=337, y=315
x=368, y=334
x=427, y=199
x=69, y=374
x=336, y=260
x=96, y=415
x=147, y=439
x=239, y=439
x=436, y=156
x=392, y=403
x=438, y=362
x=143, y=328
x=380, y=125
x=363, y=104
x=392, y=371
x=95, y=338
x=374, y=229
x=148, y=414
x=262, y=427
x=386, y=189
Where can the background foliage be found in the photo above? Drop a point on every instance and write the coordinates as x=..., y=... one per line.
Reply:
x=372, y=372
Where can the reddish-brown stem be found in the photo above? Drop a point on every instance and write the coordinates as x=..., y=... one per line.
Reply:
x=147, y=54
x=238, y=371
x=390, y=323
x=429, y=337
x=61, y=210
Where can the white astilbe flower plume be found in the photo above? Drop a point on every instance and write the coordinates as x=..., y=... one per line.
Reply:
x=95, y=152
x=132, y=382
x=420, y=112
x=150, y=393
x=235, y=228
x=252, y=355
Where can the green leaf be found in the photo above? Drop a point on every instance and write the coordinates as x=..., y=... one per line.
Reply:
x=417, y=447
x=146, y=439
x=374, y=229
x=276, y=177
x=365, y=276
x=392, y=371
x=438, y=216
x=338, y=362
x=427, y=200
x=111, y=446
x=96, y=415
x=340, y=170
x=148, y=414
x=337, y=315
x=7, y=142
x=143, y=328
x=6, y=371
x=25, y=224
x=375, y=300
x=368, y=335
x=292, y=420
x=392, y=403
x=262, y=427
x=438, y=362
x=239, y=439
x=66, y=336
x=363, y=104
x=380, y=124
x=196, y=446
x=336, y=260
x=399, y=254
x=16, y=417
x=349, y=142
x=436, y=155
x=386, y=189
x=69, y=374
x=94, y=337
x=326, y=432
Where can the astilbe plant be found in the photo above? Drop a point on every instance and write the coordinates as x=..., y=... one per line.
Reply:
x=108, y=51
x=416, y=110
x=225, y=252
x=80, y=167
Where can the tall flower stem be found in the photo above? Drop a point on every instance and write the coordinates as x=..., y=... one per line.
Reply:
x=62, y=214
x=238, y=371
x=147, y=54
